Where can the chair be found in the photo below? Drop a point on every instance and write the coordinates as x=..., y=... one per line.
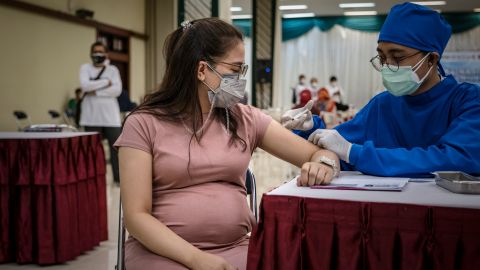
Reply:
x=250, y=184
x=66, y=126
x=53, y=114
x=21, y=116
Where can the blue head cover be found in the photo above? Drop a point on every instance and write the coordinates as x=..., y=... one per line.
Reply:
x=416, y=27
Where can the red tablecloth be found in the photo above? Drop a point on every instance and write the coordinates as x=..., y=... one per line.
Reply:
x=52, y=198
x=307, y=233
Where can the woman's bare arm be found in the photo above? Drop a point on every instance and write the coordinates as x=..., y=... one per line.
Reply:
x=285, y=145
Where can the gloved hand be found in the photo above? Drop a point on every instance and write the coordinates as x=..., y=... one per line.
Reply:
x=300, y=119
x=331, y=140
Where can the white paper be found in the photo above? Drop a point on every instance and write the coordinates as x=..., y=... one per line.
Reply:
x=358, y=181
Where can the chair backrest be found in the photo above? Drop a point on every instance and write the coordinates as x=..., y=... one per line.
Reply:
x=250, y=184
x=121, y=239
x=305, y=97
x=22, y=120
x=20, y=115
x=53, y=114
x=323, y=95
x=68, y=124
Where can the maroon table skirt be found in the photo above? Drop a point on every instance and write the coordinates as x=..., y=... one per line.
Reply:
x=304, y=233
x=52, y=198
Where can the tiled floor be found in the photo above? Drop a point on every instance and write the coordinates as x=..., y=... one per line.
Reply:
x=269, y=172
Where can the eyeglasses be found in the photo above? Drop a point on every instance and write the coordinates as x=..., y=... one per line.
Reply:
x=242, y=69
x=379, y=62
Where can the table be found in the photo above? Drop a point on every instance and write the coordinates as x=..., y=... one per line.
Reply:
x=52, y=196
x=422, y=227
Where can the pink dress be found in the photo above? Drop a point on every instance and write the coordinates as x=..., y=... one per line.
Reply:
x=208, y=209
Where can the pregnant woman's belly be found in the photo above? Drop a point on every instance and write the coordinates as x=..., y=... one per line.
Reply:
x=209, y=215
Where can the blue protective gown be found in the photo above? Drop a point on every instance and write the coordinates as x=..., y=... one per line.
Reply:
x=416, y=135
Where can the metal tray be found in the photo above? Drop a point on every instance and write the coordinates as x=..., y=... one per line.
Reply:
x=458, y=182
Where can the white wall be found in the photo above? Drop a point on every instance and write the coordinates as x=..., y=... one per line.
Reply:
x=40, y=56
x=39, y=64
x=137, y=70
x=128, y=14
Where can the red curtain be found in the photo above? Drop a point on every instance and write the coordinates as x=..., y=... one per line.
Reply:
x=305, y=233
x=52, y=198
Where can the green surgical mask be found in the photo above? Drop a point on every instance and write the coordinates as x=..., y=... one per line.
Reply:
x=405, y=80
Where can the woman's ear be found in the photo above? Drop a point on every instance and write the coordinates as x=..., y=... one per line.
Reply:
x=202, y=68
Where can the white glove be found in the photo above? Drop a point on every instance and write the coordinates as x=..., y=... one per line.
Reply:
x=331, y=140
x=300, y=119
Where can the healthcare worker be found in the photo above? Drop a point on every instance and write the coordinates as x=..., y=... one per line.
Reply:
x=425, y=121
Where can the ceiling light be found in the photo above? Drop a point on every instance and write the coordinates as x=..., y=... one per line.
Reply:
x=431, y=3
x=292, y=7
x=298, y=15
x=356, y=5
x=235, y=9
x=359, y=13
x=239, y=17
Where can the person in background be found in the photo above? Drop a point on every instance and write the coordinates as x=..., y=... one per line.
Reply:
x=324, y=103
x=101, y=85
x=125, y=103
x=302, y=85
x=73, y=107
x=314, y=87
x=334, y=90
x=305, y=97
x=185, y=150
x=425, y=121
x=337, y=94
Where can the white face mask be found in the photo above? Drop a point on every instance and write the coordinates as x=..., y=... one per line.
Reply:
x=230, y=91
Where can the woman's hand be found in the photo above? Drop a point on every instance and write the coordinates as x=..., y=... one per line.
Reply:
x=206, y=261
x=315, y=173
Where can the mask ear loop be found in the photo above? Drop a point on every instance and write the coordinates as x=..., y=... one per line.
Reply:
x=227, y=124
x=215, y=71
x=417, y=66
x=428, y=72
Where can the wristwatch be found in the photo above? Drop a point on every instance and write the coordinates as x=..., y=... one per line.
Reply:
x=330, y=162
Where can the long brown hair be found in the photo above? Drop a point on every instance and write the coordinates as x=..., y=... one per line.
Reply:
x=207, y=39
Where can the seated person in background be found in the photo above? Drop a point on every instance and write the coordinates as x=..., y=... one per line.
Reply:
x=185, y=150
x=314, y=86
x=324, y=102
x=73, y=106
x=425, y=121
x=302, y=85
x=305, y=97
x=336, y=94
